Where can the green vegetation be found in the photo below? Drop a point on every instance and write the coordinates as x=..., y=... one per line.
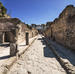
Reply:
x=3, y=10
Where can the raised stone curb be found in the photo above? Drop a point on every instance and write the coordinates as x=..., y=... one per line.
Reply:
x=69, y=68
x=15, y=58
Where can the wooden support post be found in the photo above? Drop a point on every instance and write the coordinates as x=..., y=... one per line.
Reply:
x=27, y=38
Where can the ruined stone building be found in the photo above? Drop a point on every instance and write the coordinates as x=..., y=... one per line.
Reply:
x=33, y=25
x=12, y=29
x=9, y=28
x=43, y=27
x=62, y=29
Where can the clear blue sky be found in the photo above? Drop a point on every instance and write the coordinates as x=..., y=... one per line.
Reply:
x=36, y=11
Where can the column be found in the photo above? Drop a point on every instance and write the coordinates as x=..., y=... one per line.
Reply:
x=13, y=42
x=27, y=38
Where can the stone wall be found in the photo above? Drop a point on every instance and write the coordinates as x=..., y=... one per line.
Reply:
x=63, y=28
x=22, y=32
x=32, y=33
x=8, y=24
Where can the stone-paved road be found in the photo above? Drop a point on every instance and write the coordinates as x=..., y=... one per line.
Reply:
x=5, y=58
x=38, y=59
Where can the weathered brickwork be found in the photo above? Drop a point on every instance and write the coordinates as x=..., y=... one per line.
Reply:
x=63, y=28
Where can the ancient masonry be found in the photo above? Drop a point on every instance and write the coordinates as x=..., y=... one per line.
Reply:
x=62, y=29
x=9, y=27
x=12, y=30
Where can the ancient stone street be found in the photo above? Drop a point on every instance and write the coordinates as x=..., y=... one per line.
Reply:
x=37, y=37
x=38, y=59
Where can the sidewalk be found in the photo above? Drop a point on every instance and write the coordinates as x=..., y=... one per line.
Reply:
x=5, y=58
x=66, y=55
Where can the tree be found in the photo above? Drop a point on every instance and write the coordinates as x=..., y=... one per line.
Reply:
x=3, y=9
x=1, y=4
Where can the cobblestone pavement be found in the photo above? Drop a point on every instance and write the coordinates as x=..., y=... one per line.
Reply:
x=38, y=59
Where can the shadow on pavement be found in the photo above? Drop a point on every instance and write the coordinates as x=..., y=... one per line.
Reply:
x=47, y=52
x=22, y=45
x=4, y=45
x=5, y=57
x=65, y=55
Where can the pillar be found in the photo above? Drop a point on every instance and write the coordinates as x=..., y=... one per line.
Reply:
x=27, y=38
x=13, y=42
x=3, y=40
x=13, y=49
x=1, y=37
x=32, y=34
